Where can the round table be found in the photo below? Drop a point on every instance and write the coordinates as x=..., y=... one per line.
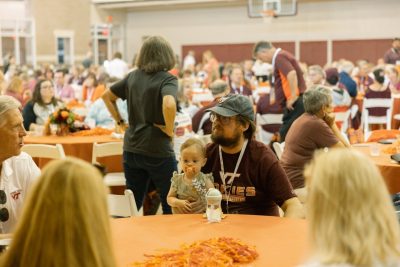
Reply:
x=80, y=147
x=389, y=169
x=280, y=242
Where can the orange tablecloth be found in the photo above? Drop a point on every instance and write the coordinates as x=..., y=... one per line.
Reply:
x=389, y=169
x=80, y=147
x=280, y=242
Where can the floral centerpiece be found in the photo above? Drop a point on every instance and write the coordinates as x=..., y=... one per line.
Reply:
x=64, y=119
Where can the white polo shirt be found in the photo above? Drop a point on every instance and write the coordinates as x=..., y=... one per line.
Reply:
x=17, y=177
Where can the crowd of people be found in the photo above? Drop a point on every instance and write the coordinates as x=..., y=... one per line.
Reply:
x=319, y=176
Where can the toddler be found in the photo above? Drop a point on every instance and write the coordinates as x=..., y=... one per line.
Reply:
x=191, y=185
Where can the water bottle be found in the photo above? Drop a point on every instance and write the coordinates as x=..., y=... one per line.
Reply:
x=214, y=211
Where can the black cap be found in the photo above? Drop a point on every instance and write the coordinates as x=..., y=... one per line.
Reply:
x=232, y=105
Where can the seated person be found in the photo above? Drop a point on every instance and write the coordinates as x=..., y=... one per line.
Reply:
x=378, y=89
x=201, y=120
x=67, y=214
x=191, y=185
x=64, y=91
x=185, y=96
x=246, y=171
x=267, y=105
x=43, y=103
x=17, y=169
x=91, y=89
x=98, y=114
x=352, y=221
x=183, y=131
x=340, y=96
x=313, y=130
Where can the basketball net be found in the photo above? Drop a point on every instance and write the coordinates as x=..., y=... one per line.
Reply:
x=268, y=15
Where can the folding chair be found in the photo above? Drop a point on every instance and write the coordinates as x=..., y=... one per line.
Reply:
x=278, y=147
x=376, y=103
x=109, y=149
x=265, y=119
x=44, y=151
x=123, y=205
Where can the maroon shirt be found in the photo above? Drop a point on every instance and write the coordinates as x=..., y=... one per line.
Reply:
x=307, y=134
x=264, y=106
x=197, y=118
x=392, y=56
x=379, y=111
x=285, y=63
x=260, y=183
x=243, y=90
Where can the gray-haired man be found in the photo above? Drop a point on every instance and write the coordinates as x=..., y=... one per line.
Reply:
x=17, y=170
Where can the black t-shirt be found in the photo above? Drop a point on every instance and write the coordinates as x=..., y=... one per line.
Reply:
x=260, y=183
x=144, y=93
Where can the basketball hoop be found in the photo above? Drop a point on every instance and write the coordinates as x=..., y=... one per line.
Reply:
x=268, y=15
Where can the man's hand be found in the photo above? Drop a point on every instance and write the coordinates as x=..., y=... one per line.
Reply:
x=290, y=102
x=169, y=132
x=329, y=118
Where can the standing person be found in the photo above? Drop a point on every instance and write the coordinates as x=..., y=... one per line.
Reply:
x=392, y=56
x=247, y=172
x=289, y=82
x=17, y=169
x=150, y=92
x=67, y=215
x=352, y=221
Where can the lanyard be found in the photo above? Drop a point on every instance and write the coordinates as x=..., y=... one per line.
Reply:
x=222, y=173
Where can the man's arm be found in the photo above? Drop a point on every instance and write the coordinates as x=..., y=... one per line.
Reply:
x=292, y=208
x=293, y=84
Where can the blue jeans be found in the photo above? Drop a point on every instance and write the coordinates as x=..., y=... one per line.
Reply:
x=140, y=170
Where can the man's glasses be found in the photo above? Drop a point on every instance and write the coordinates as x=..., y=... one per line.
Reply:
x=223, y=120
x=4, y=215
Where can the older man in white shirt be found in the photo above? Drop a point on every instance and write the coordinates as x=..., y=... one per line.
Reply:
x=17, y=169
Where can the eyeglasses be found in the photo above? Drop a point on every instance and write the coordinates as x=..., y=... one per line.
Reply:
x=223, y=120
x=4, y=215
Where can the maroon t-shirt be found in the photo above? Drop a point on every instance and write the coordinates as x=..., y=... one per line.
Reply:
x=260, y=183
x=285, y=63
x=197, y=118
x=307, y=134
x=379, y=111
x=264, y=106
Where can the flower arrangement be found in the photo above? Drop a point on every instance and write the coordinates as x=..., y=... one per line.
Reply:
x=64, y=118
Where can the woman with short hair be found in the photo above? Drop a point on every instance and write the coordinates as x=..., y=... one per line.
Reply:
x=150, y=91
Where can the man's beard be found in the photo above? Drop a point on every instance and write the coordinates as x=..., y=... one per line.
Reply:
x=226, y=142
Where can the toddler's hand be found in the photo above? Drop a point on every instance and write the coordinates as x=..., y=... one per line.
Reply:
x=184, y=204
